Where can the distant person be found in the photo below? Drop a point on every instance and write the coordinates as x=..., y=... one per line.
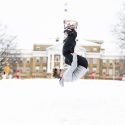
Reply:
x=17, y=74
x=55, y=73
x=4, y=75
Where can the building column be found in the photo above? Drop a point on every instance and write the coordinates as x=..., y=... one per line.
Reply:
x=52, y=62
x=61, y=61
x=48, y=64
x=113, y=65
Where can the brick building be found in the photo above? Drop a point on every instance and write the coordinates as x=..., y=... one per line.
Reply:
x=40, y=62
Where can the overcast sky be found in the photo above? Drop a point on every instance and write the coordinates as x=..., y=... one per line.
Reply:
x=34, y=20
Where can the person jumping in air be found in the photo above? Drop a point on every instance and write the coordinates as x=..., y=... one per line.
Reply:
x=77, y=64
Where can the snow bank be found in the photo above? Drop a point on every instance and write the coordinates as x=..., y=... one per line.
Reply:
x=45, y=102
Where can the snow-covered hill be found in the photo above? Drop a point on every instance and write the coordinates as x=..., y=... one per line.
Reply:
x=45, y=102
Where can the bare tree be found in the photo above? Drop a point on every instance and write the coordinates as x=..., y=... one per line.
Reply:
x=119, y=32
x=119, y=29
x=8, y=45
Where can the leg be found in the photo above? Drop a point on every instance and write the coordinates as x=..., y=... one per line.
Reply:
x=81, y=69
x=76, y=70
x=74, y=63
x=68, y=75
x=79, y=72
x=82, y=61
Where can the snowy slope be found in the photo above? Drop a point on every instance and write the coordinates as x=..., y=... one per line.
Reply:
x=45, y=102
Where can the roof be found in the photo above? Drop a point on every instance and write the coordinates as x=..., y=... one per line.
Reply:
x=49, y=41
x=80, y=42
x=58, y=49
x=83, y=42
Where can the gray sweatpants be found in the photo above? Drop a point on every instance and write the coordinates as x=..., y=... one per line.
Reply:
x=74, y=72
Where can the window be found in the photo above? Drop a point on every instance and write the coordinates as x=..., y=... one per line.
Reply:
x=57, y=58
x=37, y=48
x=94, y=49
x=28, y=60
x=88, y=49
x=117, y=73
x=44, y=49
x=94, y=61
x=110, y=62
x=110, y=72
x=94, y=69
x=44, y=69
x=27, y=69
x=44, y=60
x=104, y=61
x=21, y=60
x=38, y=59
x=117, y=62
x=37, y=68
x=104, y=71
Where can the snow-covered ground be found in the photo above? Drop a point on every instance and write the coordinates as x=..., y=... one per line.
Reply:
x=45, y=102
